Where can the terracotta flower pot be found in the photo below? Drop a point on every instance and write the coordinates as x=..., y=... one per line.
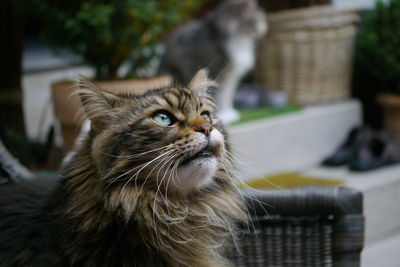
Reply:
x=67, y=106
x=391, y=110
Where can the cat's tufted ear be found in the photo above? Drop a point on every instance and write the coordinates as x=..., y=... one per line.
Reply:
x=98, y=105
x=200, y=84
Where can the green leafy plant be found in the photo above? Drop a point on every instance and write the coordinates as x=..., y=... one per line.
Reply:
x=378, y=44
x=105, y=33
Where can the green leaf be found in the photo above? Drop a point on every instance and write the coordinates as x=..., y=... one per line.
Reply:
x=105, y=33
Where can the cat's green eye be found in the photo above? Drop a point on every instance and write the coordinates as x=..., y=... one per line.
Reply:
x=164, y=118
x=205, y=115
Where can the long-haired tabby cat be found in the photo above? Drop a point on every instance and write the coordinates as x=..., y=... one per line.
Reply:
x=149, y=186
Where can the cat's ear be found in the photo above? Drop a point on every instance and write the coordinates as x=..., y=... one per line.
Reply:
x=200, y=84
x=98, y=104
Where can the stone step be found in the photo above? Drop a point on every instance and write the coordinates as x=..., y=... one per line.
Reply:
x=294, y=141
x=298, y=142
x=382, y=253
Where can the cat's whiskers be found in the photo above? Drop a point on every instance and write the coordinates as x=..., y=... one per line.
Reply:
x=228, y=160
x=167, y=156
x=222, y=72
x=163, y=219
x=172, y=173
x=138, y=155
x=213, y=220
x=233, y=172
x=163, y=149
x=129, y=171
x=163, y=166
x=241, y=163
x=159, y=183
x=176, y=171
x=186, y=214
x=136, y=175
x=170, y=162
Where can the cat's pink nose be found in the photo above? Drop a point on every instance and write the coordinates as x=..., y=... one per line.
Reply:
x=203, y=128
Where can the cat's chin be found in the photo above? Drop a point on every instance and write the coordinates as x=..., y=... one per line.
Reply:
x=194, y=175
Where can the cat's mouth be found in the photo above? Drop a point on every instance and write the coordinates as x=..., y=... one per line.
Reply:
x=204, y=153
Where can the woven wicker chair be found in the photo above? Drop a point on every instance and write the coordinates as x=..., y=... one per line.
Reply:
x=310, y=226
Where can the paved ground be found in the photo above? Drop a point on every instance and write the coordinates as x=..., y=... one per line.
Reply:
x=383, y=253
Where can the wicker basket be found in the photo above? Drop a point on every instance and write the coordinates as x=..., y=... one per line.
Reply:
x=308, y=53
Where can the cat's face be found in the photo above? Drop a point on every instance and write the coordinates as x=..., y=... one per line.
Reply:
x=240, y=17
x=167, y=139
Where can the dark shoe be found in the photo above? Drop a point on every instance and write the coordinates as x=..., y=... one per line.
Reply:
x=381, y=150
x=346, y=152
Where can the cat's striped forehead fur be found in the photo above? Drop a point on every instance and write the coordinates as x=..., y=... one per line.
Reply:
x=130, y=146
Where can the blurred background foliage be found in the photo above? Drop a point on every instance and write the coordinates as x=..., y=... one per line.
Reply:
x=378, y=45
x=106, y=33
x=377, y=58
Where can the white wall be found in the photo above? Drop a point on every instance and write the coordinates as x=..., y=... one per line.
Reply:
x=362, y=4
x=37, y=102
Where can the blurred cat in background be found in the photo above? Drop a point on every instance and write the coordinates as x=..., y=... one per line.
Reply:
x=224, y=42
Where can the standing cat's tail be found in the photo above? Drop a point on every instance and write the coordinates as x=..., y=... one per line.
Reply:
x=11, y=169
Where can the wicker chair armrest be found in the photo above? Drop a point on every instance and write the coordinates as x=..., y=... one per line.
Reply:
x=309, y=226
x=304, y=201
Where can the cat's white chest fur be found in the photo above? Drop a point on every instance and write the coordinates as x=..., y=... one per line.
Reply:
x=241, y=54
x=240, y=50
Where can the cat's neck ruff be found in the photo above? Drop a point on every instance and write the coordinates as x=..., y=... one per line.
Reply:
x=184, y=224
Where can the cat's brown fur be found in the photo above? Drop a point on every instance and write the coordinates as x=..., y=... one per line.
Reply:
x=106, y=210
